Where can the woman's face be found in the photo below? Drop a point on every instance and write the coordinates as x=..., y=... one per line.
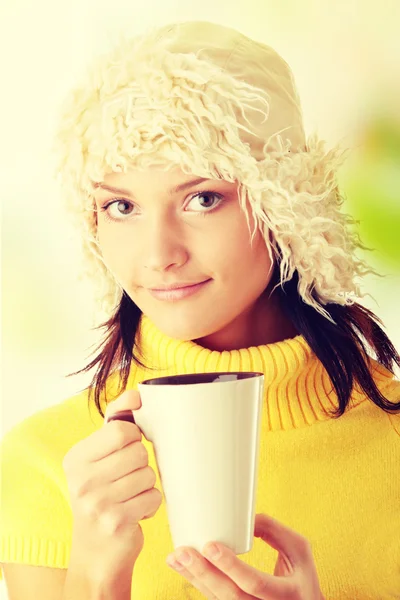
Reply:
x=160, y=228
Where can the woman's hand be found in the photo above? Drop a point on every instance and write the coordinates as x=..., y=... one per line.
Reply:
x=226, y=577
x=111, y=489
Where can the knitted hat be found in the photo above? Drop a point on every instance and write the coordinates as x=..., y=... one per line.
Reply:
x=220, y=105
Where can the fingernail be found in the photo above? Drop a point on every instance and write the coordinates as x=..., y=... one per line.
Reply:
x=212, y=551
x=184, y=558
x=172, y=562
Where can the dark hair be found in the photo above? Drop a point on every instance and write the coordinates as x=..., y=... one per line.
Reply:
x=339, y=346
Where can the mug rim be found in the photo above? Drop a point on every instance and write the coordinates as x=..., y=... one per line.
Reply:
x=200, y=377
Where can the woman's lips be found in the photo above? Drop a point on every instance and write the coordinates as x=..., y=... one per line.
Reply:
x=178, y=293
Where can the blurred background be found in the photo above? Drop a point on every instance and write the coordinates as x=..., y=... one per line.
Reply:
x=345, y=57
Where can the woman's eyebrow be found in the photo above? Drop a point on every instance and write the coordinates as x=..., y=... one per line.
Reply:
x=174, y=190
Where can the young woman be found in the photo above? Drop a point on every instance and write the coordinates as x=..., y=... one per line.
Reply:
x=215, y=229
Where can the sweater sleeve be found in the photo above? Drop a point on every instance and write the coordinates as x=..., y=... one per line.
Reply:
x=35, y=512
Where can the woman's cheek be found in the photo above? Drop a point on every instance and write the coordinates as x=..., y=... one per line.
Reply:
x=111, y=252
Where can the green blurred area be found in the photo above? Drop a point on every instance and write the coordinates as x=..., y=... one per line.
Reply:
x=372, y=188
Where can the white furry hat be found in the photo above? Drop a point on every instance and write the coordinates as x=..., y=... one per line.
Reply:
x=220, y=105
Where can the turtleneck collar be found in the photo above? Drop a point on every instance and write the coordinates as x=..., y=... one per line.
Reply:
x=298, y=391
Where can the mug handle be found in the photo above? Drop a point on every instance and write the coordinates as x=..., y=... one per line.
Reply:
x=122, y=415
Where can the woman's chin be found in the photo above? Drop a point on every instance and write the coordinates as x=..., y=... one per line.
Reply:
x=183, y=329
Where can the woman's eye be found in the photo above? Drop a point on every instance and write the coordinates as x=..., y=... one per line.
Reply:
x=206, y=200
x=117, y=209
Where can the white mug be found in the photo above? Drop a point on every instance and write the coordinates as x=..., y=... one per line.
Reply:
x=205, y=429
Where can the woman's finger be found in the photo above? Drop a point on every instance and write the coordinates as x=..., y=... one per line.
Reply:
x=283, y=539
x=200, y=582
x=128, y=400
x=256, y=583
x=206, y=578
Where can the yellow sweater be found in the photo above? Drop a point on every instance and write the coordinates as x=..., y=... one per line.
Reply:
x=334, y=481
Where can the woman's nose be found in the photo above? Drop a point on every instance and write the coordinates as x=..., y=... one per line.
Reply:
x=163, y=247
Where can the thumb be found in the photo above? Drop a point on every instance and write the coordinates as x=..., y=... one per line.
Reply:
x=121, y=408
x=283, y=539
